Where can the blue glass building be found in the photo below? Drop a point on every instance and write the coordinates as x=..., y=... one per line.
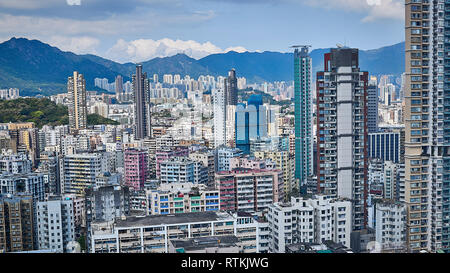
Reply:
x=250, y=122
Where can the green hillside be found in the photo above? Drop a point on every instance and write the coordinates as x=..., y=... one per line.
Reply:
x=41, y=112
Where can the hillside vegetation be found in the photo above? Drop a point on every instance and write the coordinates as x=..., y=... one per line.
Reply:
x=42, y=112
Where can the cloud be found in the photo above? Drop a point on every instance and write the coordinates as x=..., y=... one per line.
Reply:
x=85, y=10
x=238, y=49
x=146, y=49
x=385, y=9
x=44, y=27
x=79, y=45
x=374, y=9
x=73, y=2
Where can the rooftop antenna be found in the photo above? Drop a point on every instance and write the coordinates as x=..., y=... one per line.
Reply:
x=305, y=47
x=339, y=45
x=302, y=46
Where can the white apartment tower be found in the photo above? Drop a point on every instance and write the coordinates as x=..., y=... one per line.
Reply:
x=220, y=118
x=56, y=226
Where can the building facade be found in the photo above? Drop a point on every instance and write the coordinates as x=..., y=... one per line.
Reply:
x=151, y=234
x=142, y=117
x=136, y=168
x=427, y=157
x=76, y=88
x=56, y=225
x=309, y=220
x=80, y=171
x=342, y=132
x=249, y=190
x=386, y=146
x=303, y=114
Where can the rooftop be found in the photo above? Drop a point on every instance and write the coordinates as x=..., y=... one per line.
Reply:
x=154, y=220
x=204, y=242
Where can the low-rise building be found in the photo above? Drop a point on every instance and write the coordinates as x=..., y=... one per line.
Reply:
x=170, y=199
x=183, y=170
x=152, y=234
x=309, y=220
x=388, y=219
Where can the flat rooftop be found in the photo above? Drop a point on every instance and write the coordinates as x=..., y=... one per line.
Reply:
x=170, y=219
x=204, y=242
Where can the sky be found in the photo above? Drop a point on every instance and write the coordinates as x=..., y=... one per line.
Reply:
x=139, y=30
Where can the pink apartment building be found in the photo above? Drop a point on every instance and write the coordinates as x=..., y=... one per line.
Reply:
x=136, y=168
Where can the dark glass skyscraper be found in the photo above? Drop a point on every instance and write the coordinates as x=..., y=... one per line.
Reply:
x=141, y=104
x=231, y=88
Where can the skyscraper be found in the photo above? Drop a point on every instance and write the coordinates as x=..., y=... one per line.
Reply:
x=372, y=110
x=76, y=87
x=303, y=115
x=342, y=131
x=427, y=141
x=141, y=104
x=119, y=87
x=250, y=122
x=219, y=108
x=230, y=85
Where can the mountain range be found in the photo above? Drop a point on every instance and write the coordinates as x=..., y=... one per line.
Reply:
x=38, y=68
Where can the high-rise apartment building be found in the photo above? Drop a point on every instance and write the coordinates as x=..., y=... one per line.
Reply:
x=80, y=171
x=223, y=156
x=285, y=162
x=136, y=168
x=76, y=88
x=220, y=117
x=56, y=226
x=119, y=88
x=183, y=170
x=142, y=118
x=207, y=158
x=106, y=203
x=249, y=189
x=16, y=223
x=427, y=141
x=342, y=131
x=303, y=114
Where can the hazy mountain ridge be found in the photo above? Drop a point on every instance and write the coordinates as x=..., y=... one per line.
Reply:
x=38, y=68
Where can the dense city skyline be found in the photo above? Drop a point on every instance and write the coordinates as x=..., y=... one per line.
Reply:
x=331, y=150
